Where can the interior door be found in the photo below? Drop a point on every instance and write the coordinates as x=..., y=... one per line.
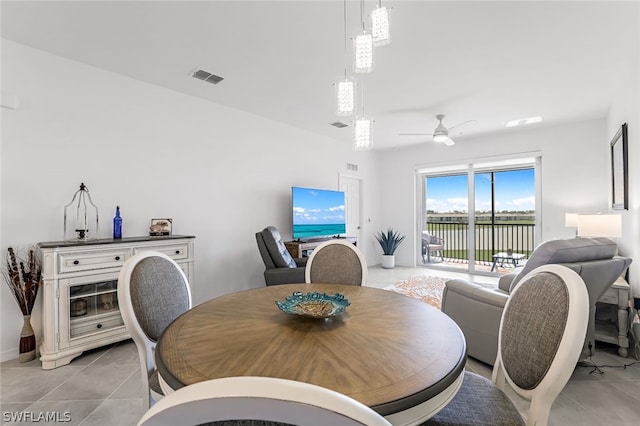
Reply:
x=351, y=188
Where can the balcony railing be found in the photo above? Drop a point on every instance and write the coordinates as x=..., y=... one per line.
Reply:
x=489, y=239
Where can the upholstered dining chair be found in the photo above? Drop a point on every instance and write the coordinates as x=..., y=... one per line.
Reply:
x=541, y=331
x=250, y=400
x=152, y=292
x=336, y=262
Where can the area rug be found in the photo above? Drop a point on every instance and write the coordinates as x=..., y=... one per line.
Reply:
x=424, y=287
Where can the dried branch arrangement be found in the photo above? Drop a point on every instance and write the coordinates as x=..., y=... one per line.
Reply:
x=23, y=278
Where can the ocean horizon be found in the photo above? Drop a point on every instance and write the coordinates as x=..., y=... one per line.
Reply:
x=315, y=230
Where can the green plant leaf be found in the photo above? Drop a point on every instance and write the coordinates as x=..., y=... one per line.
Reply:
x=389, y=241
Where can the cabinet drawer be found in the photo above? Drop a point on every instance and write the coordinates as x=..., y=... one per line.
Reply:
x=174, y=251
x=73, y=262
x=95, y=325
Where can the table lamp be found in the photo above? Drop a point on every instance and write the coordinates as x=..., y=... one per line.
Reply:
x=599, y=225
x=571, y=221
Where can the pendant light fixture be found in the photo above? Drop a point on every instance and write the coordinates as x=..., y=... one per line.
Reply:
x=380, y=25
x=362, y=140
x=345, y=88
x=363, y=60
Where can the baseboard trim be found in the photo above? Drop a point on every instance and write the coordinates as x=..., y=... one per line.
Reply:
x=10, y=354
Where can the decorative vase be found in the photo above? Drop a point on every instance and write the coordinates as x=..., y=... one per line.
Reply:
x=388, y=261
x=27, y=341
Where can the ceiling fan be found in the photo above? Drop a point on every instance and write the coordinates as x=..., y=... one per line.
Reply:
x=440, y=133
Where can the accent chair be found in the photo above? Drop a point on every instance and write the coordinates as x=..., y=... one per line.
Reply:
x=477, y=309
x=280, y=267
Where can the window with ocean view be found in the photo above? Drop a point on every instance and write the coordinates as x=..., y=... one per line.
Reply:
x=502, y=220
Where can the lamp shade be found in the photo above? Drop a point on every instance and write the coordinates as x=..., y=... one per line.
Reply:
x=571, y=220
x=599, y=225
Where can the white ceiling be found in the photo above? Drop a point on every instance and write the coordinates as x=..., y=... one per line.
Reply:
x=485, y=61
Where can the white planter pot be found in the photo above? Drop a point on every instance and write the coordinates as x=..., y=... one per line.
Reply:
x=388, y=261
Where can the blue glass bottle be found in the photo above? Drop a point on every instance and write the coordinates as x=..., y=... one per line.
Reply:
x=117, y=225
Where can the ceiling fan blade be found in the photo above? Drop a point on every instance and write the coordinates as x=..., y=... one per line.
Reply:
x=463, y=123
x=415, y=134
x=449, y=142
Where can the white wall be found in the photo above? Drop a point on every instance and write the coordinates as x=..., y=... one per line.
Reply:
x=575, y=170
x=626, y=109
x=221, y=174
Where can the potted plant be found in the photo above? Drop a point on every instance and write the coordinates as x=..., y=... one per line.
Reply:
x=389, y=241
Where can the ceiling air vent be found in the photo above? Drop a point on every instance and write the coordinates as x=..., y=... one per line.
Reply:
x=206, y=76
x=338, y=124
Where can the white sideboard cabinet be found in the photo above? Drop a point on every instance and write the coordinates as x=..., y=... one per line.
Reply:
x=79, y=295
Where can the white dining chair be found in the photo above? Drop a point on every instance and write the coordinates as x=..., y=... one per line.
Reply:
x=336, y=262
x=542, y=329
x=249, y=400
x=152, y=292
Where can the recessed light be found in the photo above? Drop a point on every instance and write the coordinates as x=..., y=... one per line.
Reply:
x=522, y=121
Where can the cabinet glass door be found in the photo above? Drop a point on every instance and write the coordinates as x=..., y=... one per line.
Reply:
x=93, y=308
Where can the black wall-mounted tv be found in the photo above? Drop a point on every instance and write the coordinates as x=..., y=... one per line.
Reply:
x=317, y=213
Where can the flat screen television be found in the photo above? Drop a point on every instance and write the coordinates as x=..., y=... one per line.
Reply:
x=317, y=213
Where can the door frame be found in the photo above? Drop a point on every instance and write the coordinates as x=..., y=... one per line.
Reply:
x=358, y=180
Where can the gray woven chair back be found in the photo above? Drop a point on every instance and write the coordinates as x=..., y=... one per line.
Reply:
x=158, y=295
x=336, y=264
x=532, y=328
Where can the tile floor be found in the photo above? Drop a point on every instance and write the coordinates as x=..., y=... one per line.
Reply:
x=102, y=387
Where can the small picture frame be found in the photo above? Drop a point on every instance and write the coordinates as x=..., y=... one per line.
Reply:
x=160, y=227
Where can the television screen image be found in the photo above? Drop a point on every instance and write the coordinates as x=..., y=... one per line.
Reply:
x=317, y=213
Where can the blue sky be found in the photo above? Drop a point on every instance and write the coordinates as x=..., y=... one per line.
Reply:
x=313, y=206
x=514, y=190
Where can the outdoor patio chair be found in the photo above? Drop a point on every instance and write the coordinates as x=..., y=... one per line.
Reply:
x=432, y=245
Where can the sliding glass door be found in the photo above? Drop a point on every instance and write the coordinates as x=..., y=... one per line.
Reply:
x=505, y=213
x=501, y=225
x=446, y=224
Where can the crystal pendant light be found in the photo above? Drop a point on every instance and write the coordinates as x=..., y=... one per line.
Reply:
x=380, y=26
x=346, y=96
x=362, y=139
x=363, y=60
x=345, y=88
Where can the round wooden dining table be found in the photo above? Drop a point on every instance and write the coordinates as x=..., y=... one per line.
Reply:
x=396, y=354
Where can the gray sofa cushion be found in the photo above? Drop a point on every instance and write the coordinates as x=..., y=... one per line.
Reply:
x=277, y=249
x=568, y=251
